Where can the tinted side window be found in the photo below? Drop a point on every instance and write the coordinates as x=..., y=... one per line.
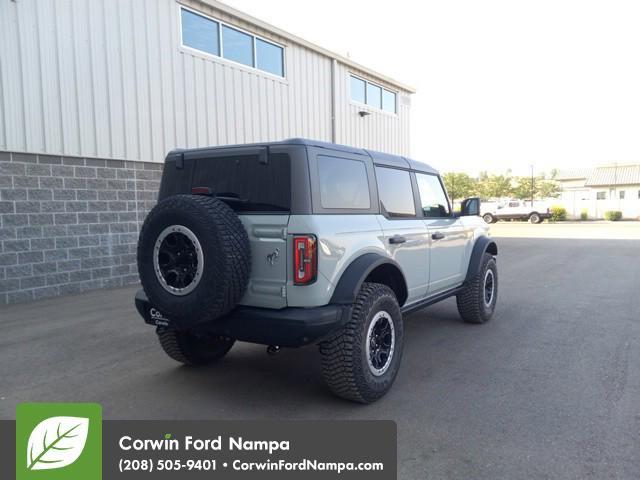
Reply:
x=432, y=197
x=343, y=183
x=395, y=192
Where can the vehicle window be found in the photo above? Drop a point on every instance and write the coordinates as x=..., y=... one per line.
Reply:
x=246, y=183
x=343, y=183
x=432, y=197
x=395, y=192
x=513, y=204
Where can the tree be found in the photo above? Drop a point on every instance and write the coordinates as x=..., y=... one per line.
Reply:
x=546, y=189
x=494, y=186
x=459, y=185
x=541, y=188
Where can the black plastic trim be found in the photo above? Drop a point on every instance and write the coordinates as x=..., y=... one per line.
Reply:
x=287, y=327
x=352, y=278
x=479, y=249
x=431, y=300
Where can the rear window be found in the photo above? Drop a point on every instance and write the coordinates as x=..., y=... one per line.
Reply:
x=246, y=182
x=343, y=183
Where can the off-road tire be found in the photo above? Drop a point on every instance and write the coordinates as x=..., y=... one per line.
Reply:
x=488, y=218
x=191, y=349
x=535, y=218
x=226, y=252
x=344, y=361
x=471, y=301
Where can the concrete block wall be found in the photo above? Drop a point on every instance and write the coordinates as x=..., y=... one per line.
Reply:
x=70, y=224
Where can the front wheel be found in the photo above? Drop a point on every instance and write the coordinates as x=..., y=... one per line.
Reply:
x=477, y=302
x=191, y=348
x=360, y=361
x=535, y=218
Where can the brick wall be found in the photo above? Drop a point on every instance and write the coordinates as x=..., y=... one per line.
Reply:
x=70, y=224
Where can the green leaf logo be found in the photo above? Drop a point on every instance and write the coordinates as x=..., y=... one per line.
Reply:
x=57, y=442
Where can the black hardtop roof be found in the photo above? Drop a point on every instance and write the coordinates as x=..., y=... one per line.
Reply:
x=379, y=158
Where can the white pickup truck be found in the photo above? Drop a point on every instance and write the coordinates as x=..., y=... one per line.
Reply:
x=515, y=210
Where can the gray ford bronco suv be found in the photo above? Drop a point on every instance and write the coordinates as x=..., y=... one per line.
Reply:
x=301, y=242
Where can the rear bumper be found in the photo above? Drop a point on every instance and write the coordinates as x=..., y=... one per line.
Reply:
x=287, y=327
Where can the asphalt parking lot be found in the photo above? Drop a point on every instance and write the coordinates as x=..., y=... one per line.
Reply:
x=548, y=389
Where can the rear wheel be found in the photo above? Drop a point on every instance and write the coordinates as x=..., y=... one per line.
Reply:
x=361, y=360
x=535, y=218
x=488, y=218
x=191, y=348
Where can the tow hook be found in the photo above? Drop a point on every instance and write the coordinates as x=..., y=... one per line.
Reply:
x=273, y=350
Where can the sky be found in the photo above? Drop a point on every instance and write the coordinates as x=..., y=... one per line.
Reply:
x=500, y=84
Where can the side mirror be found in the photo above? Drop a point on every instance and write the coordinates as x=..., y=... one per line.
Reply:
x=470, y=207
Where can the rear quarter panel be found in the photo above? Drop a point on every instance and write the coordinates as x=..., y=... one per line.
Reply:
x=341, y=239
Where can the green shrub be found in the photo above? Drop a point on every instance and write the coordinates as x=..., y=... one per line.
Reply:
x=584, y=214
x=558, y=214
x=613, y=215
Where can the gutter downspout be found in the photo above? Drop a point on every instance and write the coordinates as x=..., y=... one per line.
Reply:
x=334, y=68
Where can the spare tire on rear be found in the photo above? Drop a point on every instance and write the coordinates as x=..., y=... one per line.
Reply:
x=193, y=259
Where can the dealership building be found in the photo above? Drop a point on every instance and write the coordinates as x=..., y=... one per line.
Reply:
x=94, y=94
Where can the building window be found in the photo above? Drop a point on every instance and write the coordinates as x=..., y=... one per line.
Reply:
x=216, y=38
x=270, y=57
x=601, y=196
x=358, y=88
x=396, y=194
x=388, y=101
x=372, y=95
x=200, y=33
x=622, y=193
x=237, y=46
x=638, y=194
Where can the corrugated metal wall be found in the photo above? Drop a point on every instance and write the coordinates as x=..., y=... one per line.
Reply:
x=378, y=131
x=107, y=78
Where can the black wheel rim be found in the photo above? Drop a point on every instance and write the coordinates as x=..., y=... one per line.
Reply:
x=178, y=260
x=380, y=343
x=489, y=287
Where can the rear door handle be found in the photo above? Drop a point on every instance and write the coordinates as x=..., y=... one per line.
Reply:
x=437, y=236
x=396, y=239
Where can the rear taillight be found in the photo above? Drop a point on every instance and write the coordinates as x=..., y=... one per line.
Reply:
x=305, y=259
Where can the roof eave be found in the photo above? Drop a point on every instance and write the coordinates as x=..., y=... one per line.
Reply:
x=301, y=41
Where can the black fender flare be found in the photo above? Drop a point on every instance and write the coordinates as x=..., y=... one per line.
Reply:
x=483, y=244
x=356, y=273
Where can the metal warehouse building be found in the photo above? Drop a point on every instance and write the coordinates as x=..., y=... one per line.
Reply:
x=94, y=93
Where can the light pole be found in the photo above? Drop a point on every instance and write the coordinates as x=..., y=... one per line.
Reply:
x=532, y=187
